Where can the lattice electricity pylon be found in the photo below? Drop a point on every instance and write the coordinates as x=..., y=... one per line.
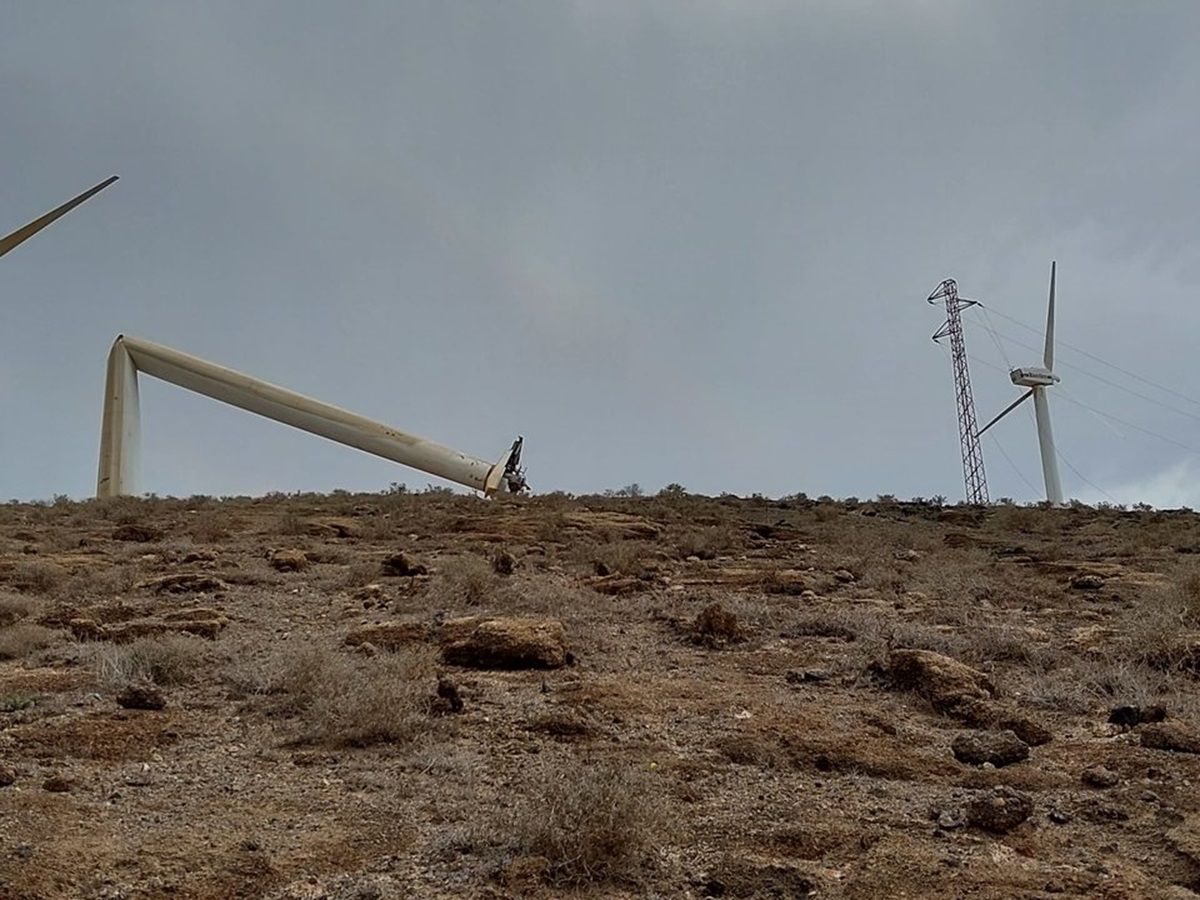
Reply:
x=968, y=431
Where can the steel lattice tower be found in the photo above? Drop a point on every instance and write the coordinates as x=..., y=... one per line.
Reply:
x=968, y=430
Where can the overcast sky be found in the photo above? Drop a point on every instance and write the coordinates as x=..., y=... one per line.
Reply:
x=666, y=241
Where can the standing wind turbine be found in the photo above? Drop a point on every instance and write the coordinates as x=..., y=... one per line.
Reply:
x=1037, y=379
x=21, y=235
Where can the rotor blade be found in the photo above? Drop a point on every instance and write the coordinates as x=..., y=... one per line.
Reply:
x=1048, y=357
x=23, y=234
x=1007, y=410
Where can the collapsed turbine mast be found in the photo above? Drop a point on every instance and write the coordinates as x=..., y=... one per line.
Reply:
x=974, y=477
x=120, y=433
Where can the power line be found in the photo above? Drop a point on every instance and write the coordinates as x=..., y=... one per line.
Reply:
x=1013, y=465
x=1084, y=478
x=1103, y=362
x=1108, y=381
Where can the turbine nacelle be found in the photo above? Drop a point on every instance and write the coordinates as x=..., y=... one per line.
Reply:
x=1037, y=379
x=1033, y=376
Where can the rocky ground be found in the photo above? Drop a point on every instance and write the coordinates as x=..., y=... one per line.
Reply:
x=398, y=695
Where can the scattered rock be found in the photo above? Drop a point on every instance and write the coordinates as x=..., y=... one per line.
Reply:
x=600, y=567
x=715, y=625
x=141, y=695
x=8, y=775
x=1088, y=581
x=808, y=676
x=907, y=555
x=389, y=635
x=944, y=681
x=845, y=576
x=58, y=784
x=1129, y=716
x=399, y=564
x=141, y=534
x=511, y=643
x=503, y=563
x=199, y=556
x=1000, y=810
x=370, y=593
x=1170, y=736
x=951, y=818
x=1100, y=777
x=184, y=583
x=289, y=560
x=367, y=649
x=448, y=698
x=1000, y=748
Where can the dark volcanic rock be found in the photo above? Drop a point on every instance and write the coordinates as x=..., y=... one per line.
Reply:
x=400, y=564
x=1129, y=716
x=1100, y=777
x=1000, y=810
x=141, y=695
x=138, y=533
x=1000, y=748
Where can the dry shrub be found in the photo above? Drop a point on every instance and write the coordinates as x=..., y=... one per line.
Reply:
x=716, y=626
x=167, y=660
x=14, y=608
x=708, y=543
x=592, y=822
x=38, y=576
x=1160, y=628
x=361, y=573
x=346, y=701
x=19, y=640
x=624, y=557
x=468, y=580
x=209, y=528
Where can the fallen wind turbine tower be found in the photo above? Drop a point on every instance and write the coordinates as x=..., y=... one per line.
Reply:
x=120, y=431
x=1037, y=379
x=21, y=235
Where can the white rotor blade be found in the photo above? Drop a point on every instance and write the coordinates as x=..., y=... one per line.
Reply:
x=23, y=234
x=1007, y=410
x=1048, y=357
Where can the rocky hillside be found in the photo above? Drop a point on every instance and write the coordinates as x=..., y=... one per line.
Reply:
x=387, y=696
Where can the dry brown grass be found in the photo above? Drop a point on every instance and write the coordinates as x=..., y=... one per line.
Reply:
x=464, y=581
x=624, y=557
x=339, y=700
x=167, y=660
x=14, y=608
x=592, y=822
x=24, y=638
x=37, y=576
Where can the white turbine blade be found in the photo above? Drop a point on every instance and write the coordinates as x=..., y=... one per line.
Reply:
x=1048, y=357
x=1007, y=410
x=23, y=234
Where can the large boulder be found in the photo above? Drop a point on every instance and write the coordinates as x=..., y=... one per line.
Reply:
x=510, y=643
x=289, y=560
x=943, y=681
x=1170, y=736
